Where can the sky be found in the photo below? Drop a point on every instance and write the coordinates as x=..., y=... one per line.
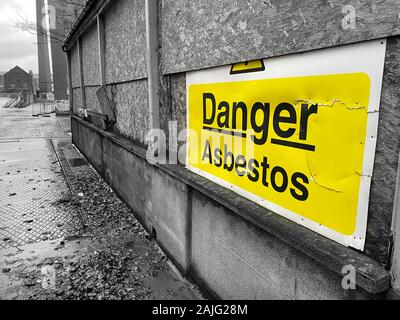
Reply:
x=17, y=47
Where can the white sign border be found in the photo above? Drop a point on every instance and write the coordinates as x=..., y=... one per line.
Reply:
x=367, y=57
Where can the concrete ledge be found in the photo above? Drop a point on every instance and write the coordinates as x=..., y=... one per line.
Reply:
x=370, y=275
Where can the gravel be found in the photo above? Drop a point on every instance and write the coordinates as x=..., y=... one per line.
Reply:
x=120, y=260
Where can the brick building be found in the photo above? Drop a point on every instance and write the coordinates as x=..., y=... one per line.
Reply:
x=17, y=80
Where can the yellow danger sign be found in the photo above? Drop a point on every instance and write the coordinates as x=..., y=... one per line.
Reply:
x=296, y=145
x=307, y=153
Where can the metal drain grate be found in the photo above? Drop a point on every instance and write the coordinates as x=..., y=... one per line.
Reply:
x=31, y=184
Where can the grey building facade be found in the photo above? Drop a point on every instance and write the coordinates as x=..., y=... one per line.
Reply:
x=140, y=51
x=45, y=82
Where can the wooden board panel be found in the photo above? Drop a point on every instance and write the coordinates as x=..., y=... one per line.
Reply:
x=207, y=33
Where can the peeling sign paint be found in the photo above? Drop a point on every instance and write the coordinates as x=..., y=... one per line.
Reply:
x=313, y=178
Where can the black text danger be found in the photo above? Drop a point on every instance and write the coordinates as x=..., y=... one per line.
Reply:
x=230, y=117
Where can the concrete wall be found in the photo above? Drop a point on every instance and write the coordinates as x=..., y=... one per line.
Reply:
x=232, y=256
x=254, y=265
x=226, y=254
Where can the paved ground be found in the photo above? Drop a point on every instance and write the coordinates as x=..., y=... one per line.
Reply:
x=63, y=233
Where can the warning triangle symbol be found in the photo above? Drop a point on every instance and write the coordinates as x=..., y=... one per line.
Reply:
x=248, y=66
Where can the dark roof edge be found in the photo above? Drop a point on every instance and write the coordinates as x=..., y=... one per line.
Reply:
x=89, y=5
x=14, y=68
